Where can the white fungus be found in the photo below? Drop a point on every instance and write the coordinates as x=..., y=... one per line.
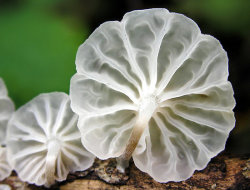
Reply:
x=44, y=142
x=154, y=88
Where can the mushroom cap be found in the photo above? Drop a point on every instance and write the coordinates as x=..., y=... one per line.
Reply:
x=42, y=135
x=6, y=109
x=158, y=65
x=5, y=168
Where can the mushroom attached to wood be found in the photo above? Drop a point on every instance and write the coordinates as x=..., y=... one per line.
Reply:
x=44, y=142
x=154, y=88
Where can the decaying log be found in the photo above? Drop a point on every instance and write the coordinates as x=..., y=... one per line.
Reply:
x=223, y=172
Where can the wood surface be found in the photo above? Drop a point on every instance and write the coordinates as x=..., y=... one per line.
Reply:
x=223, y=172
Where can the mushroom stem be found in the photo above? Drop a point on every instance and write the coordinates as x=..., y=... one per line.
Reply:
x=123, y=160
x=50, y=166
x=147, y=108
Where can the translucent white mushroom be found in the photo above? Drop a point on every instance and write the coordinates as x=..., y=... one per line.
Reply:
x=6, y=110
x=154, y=88
x=44, y=142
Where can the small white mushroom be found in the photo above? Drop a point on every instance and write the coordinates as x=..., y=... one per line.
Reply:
x=154, y=88
x=44, y=142
x=6, y=110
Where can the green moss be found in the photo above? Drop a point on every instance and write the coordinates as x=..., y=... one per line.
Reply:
x=37, y=51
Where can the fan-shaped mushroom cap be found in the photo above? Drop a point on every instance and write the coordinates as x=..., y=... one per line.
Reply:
x=153, y=78
x=5, y=169
x=44, y=142
x=6, y=110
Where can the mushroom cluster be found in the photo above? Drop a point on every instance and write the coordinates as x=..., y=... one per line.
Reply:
x=150, y=87
x=6, y=110
x=44, y=142
x=154, y=88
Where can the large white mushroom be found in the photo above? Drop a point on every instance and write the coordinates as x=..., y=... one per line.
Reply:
x=6, y=110
x=44, y=142
x=154, y=88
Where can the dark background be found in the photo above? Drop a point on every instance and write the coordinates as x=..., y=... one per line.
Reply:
x=39, y=40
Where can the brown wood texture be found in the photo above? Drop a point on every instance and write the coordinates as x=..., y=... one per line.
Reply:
x=223, y=172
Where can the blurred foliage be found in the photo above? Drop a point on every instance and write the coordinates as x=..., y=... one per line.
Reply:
x=224, y=15
x=37, y=49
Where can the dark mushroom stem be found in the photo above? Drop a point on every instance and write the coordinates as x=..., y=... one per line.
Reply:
x=147, y=108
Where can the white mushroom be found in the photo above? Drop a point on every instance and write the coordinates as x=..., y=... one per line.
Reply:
x=44, y=142
x=154, y=88
x=6, y=110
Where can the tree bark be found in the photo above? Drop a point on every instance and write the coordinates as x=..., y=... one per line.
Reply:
x=223, y=172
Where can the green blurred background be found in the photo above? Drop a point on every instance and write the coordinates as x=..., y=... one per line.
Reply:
x=39, y=40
